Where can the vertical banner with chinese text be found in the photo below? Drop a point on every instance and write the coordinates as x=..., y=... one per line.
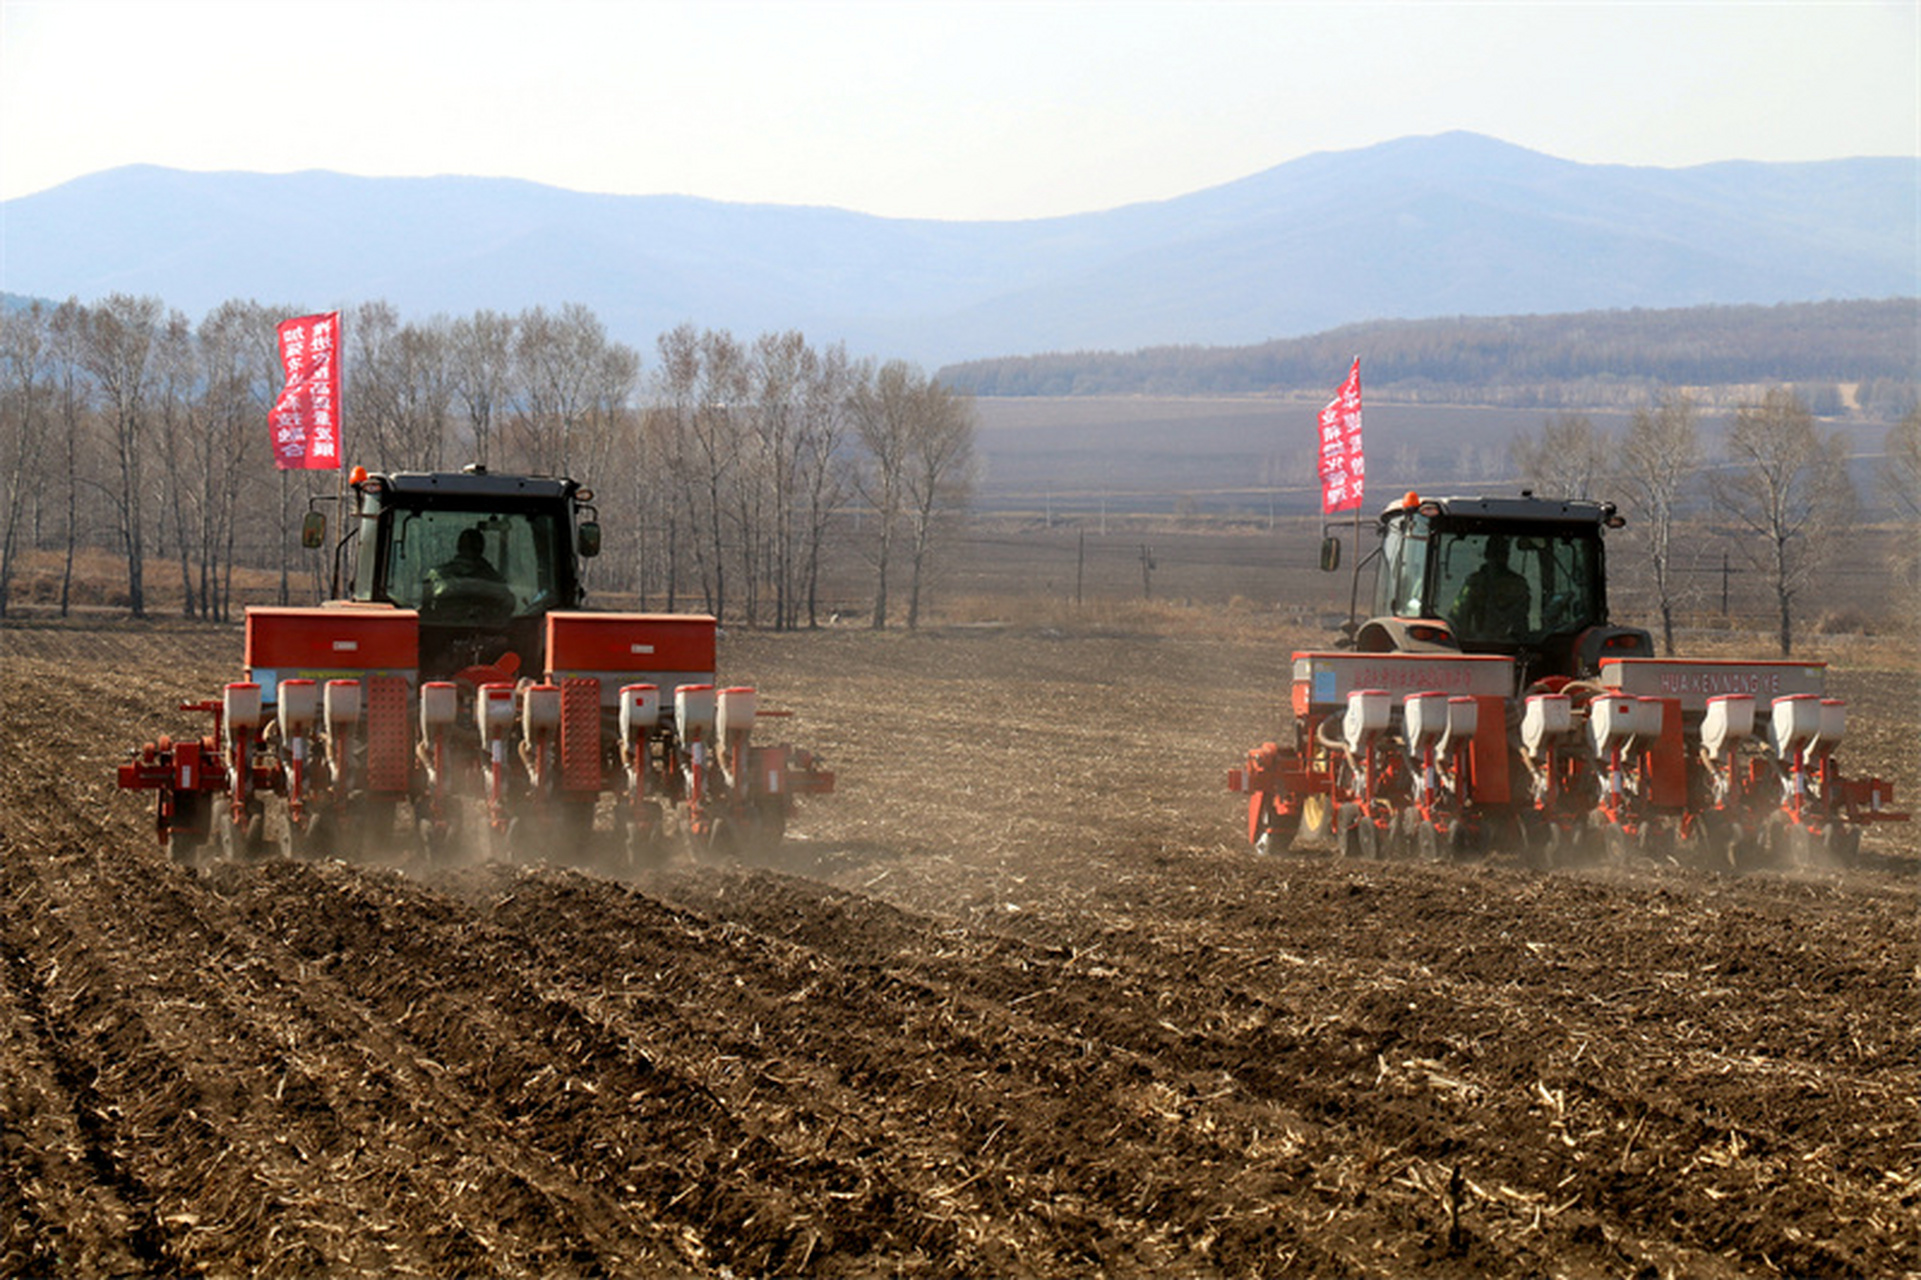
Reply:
x=1343, y=468
x=306, y=418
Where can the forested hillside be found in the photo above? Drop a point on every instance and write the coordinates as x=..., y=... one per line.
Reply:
x=1588, y=359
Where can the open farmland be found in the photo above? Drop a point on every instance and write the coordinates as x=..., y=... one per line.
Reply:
x=1016, y=1001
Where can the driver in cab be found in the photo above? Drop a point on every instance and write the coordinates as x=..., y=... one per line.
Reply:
x=469, y=561
x=1493, y=602
x=467, y=582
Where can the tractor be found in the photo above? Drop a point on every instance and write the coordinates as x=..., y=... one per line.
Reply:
x=1489, y=701
x=455, y=690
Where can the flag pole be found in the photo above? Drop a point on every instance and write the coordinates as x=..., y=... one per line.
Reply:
x=340, y=448
x=1357, y=506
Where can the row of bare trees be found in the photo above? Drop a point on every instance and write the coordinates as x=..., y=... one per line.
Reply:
x=124, y=425
x=1777, y=481
x=742, y=475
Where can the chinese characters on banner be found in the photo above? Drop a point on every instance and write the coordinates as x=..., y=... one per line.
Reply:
x=1343, y=469
x=306, y=418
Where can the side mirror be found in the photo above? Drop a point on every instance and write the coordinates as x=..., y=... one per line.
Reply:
x=1330, y=554
x=313, y=530
x=587, y=539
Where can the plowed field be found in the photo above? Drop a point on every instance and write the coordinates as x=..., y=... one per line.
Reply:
x=1016, y=1001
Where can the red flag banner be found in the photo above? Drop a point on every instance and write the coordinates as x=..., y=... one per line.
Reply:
x=306, y=418
x=1343, y=468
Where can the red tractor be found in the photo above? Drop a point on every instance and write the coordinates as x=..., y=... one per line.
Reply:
x=456, y=687
x=1489, y=701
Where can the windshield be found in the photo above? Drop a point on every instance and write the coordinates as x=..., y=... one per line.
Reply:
x=441, y=561
x=1506, y=584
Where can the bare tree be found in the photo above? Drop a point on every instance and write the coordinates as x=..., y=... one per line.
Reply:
x=554, y=357
x=237, y=377
x=26, y=394
x=721, y=412
x=1565, y=460
x=607, y=422
x=669, y=428
x=118, y=338
x=780, y=362
x=374, y=391
x=938, y=479
x=1789, y=485
x=180, y=506
x=610, y=443
x=73, y=407
x=482, y=360
x=1657, y=460
x=424, y=392
x=826, y=473
x=884, y=409
x=1901, y=477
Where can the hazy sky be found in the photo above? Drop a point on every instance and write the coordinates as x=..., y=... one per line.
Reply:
x=919, y=108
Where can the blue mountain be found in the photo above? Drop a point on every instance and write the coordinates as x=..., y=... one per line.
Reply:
x=1454, y=224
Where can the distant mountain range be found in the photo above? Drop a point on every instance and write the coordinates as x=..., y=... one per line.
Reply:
x=1451, y=225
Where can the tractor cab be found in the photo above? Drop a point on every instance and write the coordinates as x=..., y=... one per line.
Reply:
x=1521, y=577
x=483, y=559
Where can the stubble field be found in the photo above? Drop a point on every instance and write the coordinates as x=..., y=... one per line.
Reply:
x=1015, y=1001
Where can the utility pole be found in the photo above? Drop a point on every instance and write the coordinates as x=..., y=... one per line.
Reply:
x=1080, y=567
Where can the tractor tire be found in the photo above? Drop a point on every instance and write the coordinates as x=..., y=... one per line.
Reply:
x=1316, y=827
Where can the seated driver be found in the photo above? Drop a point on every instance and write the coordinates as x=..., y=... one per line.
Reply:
x=470, y=560
x=467, y=582
x=1494, y=600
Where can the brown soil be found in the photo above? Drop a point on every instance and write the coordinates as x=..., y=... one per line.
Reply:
x=1017, y=1001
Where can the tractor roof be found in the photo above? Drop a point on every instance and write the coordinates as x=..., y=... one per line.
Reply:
x=1525, y=508
x=475, y=482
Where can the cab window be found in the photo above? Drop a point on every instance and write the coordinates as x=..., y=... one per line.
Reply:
x=1504, y=584
x=436, y=556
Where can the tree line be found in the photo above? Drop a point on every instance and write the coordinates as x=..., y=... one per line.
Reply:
x=1587, y=359
x=1778, y=481
x=738, y=475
